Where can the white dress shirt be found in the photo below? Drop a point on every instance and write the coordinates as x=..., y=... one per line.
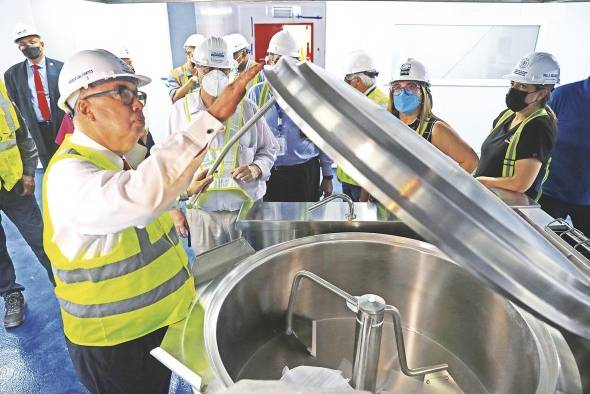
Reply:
x=31, y=81
x=89, y=206
x=257, y=146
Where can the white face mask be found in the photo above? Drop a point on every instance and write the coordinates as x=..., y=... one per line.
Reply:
x=214, y=82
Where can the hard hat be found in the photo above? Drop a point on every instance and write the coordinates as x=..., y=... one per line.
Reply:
x=283, y=43
x=537, y=68
x=213, y=52
x=236, y=42
x=411, y=70
x=357, y=62
x=23, y=30
x=194, y=40
x=89, y=66
x=121, y=52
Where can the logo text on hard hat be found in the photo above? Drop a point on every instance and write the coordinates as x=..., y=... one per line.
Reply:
x=524, y=63
x=217, y=56
x=522, y=73
x=405, y=69
x=87, y=72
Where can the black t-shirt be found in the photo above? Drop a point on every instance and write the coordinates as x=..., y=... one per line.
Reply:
x=536, y=142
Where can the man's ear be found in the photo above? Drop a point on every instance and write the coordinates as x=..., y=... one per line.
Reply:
x=84, y=109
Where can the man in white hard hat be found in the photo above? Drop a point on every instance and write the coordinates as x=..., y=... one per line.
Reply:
x=67, y=125
x=122, y=275
x=296, y=173
x=18, y=161
x=240, y=47
x=32, y=85
x=181, y=80
x=360, y=73
x=246, y=168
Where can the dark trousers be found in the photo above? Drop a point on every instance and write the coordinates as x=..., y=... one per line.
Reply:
x=48, y=134
x=24, y=212
x=296, y=183
x=127, y=368
x=580, y=214
x=352, y=191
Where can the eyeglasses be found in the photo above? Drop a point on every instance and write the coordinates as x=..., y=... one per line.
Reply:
x=125, y=94
x=410, y=88
x=348, y=79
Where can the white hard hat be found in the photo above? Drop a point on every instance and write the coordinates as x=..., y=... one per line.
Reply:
x=283, y=43
x=236, y=42
x=23, y=30
x=213, y=52
x=537, y=68
x=357, y=62
x=194, y=40
x=411, y=70
x=89, y=66
x=121, y=52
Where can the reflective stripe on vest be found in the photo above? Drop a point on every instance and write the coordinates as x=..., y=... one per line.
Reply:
x=510, y=156
x=180, y=74
x=11, y=164
x=379, y=98
x=141, y=285
x=150, y=252
x=263, y=94
x=222, y=180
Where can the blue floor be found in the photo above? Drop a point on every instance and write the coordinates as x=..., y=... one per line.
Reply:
x=34, y=357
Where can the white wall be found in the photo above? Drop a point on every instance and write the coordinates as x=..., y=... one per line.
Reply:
x=564, y=30
x=71, y=25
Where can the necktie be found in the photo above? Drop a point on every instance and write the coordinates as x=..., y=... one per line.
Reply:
x=41, y=99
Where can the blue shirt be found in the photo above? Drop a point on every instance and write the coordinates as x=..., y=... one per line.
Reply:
x=299, y=148
x=31, y=81
x=569, y=173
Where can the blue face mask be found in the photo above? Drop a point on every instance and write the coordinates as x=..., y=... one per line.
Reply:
x=406, y=102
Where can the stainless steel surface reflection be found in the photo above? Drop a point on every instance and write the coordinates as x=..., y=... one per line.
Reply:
x=432, y=194
x=491, y=346
x=270, y=223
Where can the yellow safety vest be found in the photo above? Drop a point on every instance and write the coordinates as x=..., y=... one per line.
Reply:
x=222, y=180
x=143, y=284
x=510, y=157
x=181, y=74
x=11, y=164
x=263, y=94
x=381, y=99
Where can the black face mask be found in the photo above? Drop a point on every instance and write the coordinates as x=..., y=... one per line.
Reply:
x=515, y=99
x=31, y=51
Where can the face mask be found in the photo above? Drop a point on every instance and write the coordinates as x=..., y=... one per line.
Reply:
x=31, y=51
x=214, y=82
x=515, y=99
x=406, y=103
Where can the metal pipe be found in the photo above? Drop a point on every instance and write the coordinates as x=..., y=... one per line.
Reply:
x=367, y=342
x=313, y=277
x=351, y=215
x=401, y=348
x=191, y=202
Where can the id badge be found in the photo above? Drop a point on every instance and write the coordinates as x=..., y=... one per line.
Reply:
x=282, y=145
